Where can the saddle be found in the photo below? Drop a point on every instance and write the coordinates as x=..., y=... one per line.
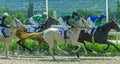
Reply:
x=63, y=33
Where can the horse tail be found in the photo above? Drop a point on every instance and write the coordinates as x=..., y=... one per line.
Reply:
x=41, y=33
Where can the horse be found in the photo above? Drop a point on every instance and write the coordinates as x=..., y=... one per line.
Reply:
x=100, y=35
x=22, y=33
x=53, y=37
x=11, y=29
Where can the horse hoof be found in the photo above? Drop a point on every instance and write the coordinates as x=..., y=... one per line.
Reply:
x=54, y=58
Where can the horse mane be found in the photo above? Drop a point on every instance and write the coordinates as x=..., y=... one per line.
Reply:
x=54, y=19
x=105, y=24
x=50, y=21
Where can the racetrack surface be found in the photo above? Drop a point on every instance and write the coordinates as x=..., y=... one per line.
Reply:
x=59, y=60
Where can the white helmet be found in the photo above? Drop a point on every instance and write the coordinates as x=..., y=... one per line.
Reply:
x=5, y=14
x=45, y=13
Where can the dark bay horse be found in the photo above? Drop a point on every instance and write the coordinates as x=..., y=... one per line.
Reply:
x=100, y=35
x=22, y=33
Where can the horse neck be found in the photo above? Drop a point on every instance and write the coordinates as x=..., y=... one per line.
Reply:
x=74, y=33
x=11, y=31
x=49, y=22
x=106, y=28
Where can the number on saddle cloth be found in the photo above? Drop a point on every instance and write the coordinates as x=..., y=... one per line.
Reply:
x=61, y=31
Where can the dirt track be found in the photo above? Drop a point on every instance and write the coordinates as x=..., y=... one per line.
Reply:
x=60, y=60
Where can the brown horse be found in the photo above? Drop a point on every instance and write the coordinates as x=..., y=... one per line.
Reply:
x=22, y=33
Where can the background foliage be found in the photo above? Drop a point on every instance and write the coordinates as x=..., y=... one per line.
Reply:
x=24, y=16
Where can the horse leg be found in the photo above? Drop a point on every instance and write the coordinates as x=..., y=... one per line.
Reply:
x=77, y=54
x=51, y=51
x=114, y=46
x=40, y=48
x=57, y=47
x=3, y=50
x=77, y=48
x=23, y=46
x=6, y=49
x=107, y=47
x=87, y=48
x=84, y=48
x=18, y=42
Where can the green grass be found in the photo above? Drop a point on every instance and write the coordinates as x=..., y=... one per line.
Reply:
x=93, y=46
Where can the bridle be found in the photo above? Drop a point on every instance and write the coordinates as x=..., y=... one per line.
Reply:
x=113, y=25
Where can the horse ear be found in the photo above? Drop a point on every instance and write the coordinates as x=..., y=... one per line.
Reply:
x=15, y=18
x=112, y=20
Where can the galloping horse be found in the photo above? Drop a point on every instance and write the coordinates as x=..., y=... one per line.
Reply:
x=11, y=32
x=22, y=33
x=100, y=35
x=52, y=37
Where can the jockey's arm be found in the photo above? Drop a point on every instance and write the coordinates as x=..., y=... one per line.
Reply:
x=85, y=23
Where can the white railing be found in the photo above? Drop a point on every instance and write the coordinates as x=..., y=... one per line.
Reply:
x=115, y=33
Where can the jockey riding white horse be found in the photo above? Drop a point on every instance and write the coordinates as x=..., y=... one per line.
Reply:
x=52, y=37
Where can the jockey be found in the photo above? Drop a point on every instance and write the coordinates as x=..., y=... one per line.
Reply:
x=95, y=21
x=39, y=19
x=2, y=23
x=65, y=22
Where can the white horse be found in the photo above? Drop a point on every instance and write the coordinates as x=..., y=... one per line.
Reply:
x=52, y=37
x=11, y=32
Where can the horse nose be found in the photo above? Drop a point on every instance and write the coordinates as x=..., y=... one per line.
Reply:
x=119, y=30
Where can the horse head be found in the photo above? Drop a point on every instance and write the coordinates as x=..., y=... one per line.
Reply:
x=80, y=23
x=16, y=23
x=114, y=25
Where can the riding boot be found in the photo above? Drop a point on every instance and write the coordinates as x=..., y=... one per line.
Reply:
x=65, y=34
x=92, y=31
x=38, y=29
x=4, y=33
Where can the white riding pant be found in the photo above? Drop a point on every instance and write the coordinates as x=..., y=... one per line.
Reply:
x=36, y=23
x=91, y=23
x=66, y=27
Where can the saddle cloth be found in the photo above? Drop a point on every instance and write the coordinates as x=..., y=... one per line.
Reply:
x=31, y=29
x=90, y=31
x=1, y=34
x=61, y=31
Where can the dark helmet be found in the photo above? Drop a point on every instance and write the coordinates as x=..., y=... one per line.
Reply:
x=75, y=13
x=103, y=15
